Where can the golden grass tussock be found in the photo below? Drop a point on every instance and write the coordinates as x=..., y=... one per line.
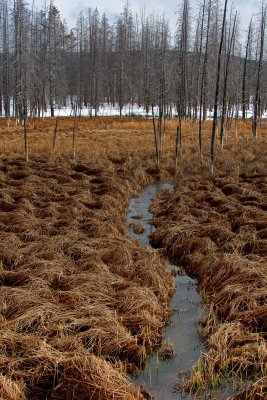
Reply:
x=73, y=375
x=166, y=351
x=81, y=303
x=11, y=390
x=213, y=226
x=137, y=227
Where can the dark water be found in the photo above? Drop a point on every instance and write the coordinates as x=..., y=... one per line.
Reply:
x=157, y=376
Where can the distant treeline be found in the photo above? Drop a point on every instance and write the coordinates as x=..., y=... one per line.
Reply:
x=45, y=64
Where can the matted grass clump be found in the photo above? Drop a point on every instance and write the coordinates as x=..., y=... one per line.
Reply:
x=81, y=303
x=216, y=227
x=10, y=390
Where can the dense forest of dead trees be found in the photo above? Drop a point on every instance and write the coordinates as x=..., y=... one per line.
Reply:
x=44, y=65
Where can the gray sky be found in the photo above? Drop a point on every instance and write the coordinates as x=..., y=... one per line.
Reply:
x=70, y=9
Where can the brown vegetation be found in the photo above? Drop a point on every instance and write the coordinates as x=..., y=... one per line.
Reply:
x=166, y=350
x=216, y=227
x=120, y=138
x=137, y=227
x=81, y=302
x=10, y=390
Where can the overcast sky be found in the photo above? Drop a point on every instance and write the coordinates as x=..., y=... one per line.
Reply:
x=69, y=9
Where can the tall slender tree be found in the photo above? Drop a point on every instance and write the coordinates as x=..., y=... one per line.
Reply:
x=245, y=99
x=182, y=70
x=215, y=111
x=204, y=79
x=226, y=76
x=257, y=102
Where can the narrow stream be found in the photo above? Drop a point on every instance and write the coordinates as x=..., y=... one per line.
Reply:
x=160, y=377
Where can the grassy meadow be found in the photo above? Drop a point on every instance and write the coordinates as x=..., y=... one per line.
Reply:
x=82, y=303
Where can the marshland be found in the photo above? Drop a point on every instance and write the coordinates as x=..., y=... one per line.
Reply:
x=133, y=200
x=83, y=304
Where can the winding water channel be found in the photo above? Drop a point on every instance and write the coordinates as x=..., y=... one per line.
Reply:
x=160, y=377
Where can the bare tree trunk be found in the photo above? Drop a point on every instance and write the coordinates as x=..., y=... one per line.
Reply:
x=74, y=134
x=182, y=81
x=244, y=81
x=258, y=83
x=156, y=140
x=215, y=116
x=6, y=65
x=203, y=82
x=55, y=137
x=177, y=145
x=26, y=145
x=199, y=61
x=226, y=81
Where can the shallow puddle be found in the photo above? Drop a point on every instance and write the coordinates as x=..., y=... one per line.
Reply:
x=160, y=377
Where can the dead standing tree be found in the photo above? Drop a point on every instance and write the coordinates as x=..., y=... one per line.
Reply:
x=74, y=128
x=157, y=136
x=182, y=66
x=216, y=100
x=204, y=80
x=54, y=137
x=257, y=103
x=226, y=74
x=160, y=90
x=4, y=21
x=245, y=100
x=178, y=143
x=182, y=93
x=26, y=144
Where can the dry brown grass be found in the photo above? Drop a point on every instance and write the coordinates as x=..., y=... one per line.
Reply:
x=118, y=138
x=137, y=227
x=166, y=351
x=11, y=390
x=214, y=226
x=81, y=302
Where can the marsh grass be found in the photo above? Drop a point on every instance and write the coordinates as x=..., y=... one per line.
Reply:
x=10, y=390
x=78, y=296
x=213, y=226
x=82, y=303
x=137, y=228
x=119, y=138
x=166, y=351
